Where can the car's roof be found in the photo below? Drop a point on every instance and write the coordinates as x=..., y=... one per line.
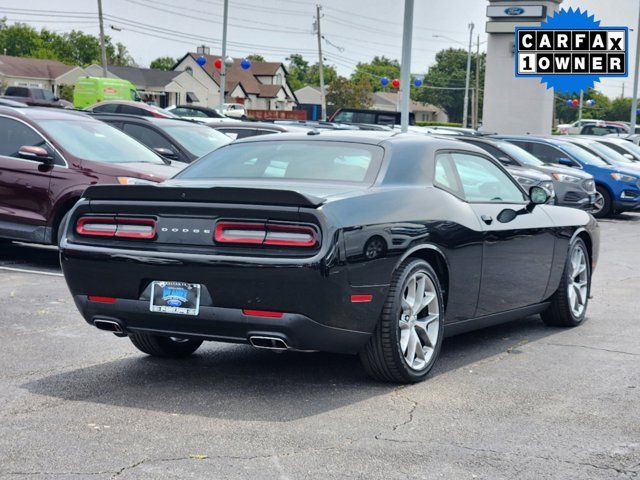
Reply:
x=46, y=113
x=553, y=139
x=272, y=126
x=161, y=122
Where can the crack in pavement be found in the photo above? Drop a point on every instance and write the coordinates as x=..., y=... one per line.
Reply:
x=410, y=413
x=592, y=348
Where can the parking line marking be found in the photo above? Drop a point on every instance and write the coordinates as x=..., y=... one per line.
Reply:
x=23, y=270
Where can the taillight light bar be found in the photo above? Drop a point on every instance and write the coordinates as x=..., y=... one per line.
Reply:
x=275, y=234
x=121, y=227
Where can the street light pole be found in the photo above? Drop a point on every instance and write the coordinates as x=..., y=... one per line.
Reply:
x=103, y=48
x=223, y=67
x=323, y=99
x=465, y=109
x=476, y=98
x=405, y=68
x=636, y=73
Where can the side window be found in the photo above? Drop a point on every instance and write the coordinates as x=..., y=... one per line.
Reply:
x=37, y=94
x=239, y=132
x=132, y=110
x=106, y=108
x=260, y=131
x=14, y=135
x=148, y=136
x=483, y=181
x=445, y=175
x=546, y=153
x=48, y=95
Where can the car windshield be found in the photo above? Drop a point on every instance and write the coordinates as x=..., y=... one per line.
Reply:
x=631, y=148
x=520, y=154
x=199, y=140
x=98, y=142
x=582, y=155
x=290, y=160
x=608, y=154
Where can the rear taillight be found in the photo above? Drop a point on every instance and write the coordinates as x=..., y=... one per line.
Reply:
x=275, y=234
x=121, y=227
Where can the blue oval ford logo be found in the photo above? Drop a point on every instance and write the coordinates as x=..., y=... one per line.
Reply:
x=514, y=11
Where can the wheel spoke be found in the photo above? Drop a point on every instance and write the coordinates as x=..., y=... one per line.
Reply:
x=419, y=295
x=404, y=339
x=410, y=356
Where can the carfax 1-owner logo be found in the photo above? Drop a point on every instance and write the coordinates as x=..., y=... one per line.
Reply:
x=571, y=51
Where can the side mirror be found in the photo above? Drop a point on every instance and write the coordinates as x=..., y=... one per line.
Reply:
x=56, y=99
x=232, y=136
x=504, y=160
x=629, y=156
x=166, y=153
x=538, y=196
x=566, y=161
x=35, y=153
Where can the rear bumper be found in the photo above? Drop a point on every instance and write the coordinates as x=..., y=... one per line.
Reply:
x=223, y=324
x=314, y=296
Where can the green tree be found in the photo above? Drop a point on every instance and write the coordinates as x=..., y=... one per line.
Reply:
x=302, y=74
x=19, y=39
x=372, y=72
x=569, y=114
x=449, y=71
x=163, y=63
x=254, y=57
x=620, y=109
x=120, y=56
x=347, y=93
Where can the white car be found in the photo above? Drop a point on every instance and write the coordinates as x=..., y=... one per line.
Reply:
x=575, y=127
x=199, y=114
x=235, y=110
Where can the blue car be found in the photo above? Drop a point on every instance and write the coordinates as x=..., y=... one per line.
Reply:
x=618, y=187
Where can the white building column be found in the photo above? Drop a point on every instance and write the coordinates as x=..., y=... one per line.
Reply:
x=514, y=105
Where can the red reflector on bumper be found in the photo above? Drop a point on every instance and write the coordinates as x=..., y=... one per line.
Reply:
x=263, y=313
x=98, y=298
x=361, y=298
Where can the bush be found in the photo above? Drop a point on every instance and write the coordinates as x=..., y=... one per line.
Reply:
x=438, y=124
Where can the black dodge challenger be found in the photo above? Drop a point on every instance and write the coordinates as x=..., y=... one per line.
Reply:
x=373, y=243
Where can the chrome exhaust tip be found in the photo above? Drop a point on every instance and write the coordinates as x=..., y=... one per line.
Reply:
x=269, y=343
x=109, y=326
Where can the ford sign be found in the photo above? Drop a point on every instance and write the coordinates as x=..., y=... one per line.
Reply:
x=514, y=11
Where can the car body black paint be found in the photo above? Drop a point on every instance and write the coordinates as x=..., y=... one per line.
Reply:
x=496, y=271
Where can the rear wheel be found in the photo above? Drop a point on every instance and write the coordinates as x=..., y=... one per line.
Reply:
x=159, y=346
x=408, y=337
x=603, y=206
x=569, y=304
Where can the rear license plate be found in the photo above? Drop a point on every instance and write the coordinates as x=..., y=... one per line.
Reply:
x=175, y=297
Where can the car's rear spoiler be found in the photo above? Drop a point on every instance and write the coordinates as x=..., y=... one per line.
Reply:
x=260, y=196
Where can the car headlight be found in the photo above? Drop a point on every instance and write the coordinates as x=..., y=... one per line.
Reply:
x=563, y=177
x=134, y=181
x=623, y=178
x=524, y=181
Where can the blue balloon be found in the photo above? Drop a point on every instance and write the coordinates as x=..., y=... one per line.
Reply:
x=417, y=82
x=201, y=60
x=245, y=64
x=384, y=81
x=569, y=103
x=638, y=111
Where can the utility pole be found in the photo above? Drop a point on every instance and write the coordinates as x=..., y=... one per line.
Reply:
x=634, y=102
x=323, y=100
x=476, y=98
x=405, y=68
x=581, y=104
x=223, y=67
x=465, y=109
x=103, y=48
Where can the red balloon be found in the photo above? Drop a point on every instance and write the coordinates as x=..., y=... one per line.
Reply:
x=218, y=63
x=395, y=83
x=575, y=102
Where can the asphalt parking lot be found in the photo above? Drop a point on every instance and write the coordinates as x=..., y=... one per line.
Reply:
x=514, y=401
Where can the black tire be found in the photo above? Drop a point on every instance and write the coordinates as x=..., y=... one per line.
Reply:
x=382, y=357
x=607, y=208
x=560, y=313
x=159, y=346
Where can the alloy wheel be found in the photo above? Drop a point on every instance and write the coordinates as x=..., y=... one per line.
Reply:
x=598, y=205
x=577, y=284
x=419, y=323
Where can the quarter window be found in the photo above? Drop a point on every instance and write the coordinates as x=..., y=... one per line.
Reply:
x=14, y=135
x=483, y=181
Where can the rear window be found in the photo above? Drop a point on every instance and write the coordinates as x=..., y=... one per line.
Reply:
x=290, y=160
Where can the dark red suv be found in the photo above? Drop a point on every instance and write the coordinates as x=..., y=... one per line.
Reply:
x=47, y=159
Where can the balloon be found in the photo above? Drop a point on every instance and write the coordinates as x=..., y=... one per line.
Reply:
x=417, y=82
x=245, y=64
x=638, y=111
x=592, y=102
x=395, y=83
x=228, y=61
x=201, y=60
x=575, y=102
x=384, y=81
x=217, y=63
x=569, y=103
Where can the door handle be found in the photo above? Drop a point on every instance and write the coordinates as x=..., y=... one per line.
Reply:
x=487, y=219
